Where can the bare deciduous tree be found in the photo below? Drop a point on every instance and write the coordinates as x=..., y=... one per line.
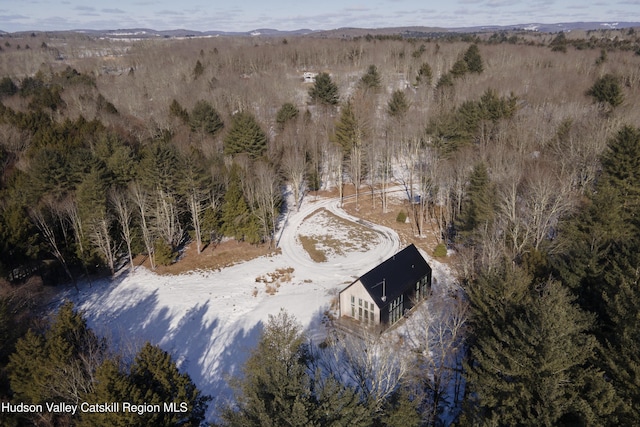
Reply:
x=370, y=362
x=261, y=185
x=124, y=214
x=166, y=218
x=294, y=167
x=437, y=332
x=509, y=210
x=42, y=216
x=141, y=199
x=100, y=234
x=548, y=198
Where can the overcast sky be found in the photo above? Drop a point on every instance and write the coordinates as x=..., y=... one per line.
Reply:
x=245, y=15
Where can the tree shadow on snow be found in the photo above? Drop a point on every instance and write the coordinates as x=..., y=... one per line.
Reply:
x=201, y=344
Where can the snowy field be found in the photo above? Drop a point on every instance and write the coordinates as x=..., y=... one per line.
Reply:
x=210, y=320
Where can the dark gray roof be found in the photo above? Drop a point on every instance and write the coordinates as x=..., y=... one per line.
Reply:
x=399, y=273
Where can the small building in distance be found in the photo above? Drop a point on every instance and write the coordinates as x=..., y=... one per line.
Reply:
x=382, y=296
x=309, y=77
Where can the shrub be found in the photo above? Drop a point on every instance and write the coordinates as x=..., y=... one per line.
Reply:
x=425, y=75
x=164, y=253
x=7, y=87
x=440, y=250
x=287, y=112
x=607, y=90
x=402, y=217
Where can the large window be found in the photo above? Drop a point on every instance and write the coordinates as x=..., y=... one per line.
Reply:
x=353, y=306
x=365, y=311
x=395, y=309
x=422, y=288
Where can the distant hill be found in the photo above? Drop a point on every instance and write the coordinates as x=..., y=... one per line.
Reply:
x=553, y=28
x=146, y=33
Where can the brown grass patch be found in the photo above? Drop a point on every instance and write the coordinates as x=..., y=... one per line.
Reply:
x=272, y=289
x=318, y=246
x=213, y=257
x=309, y=244
x=370, y=209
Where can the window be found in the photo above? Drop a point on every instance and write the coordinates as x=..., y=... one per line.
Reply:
x=395, y=309
x=422, y=288
x=368, y=311
x=365, y=310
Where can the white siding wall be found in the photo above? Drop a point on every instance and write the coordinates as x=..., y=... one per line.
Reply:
x=358, y=292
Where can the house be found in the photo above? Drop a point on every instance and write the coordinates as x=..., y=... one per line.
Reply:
x=309, y=77
x=385, y=293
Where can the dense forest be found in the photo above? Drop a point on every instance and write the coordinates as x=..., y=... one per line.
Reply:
x=519, y=151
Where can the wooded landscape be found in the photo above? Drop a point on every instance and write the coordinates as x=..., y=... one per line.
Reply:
x=519, y=151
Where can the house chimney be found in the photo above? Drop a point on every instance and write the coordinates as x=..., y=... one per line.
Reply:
x=384, y=290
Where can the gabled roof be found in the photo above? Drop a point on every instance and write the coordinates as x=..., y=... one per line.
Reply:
x=398, y=273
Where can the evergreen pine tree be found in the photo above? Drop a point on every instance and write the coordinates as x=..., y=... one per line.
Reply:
x=245, y=136
x=155, y=379
x=371, y=79
x=398, y=105
x=7, y=88
x=559, y=43
x=236, y=219
x=598, y=245
x=445, y=81
x=198, y=70
x=459, y=69
x=324, y=91
x=276, y=388
x=286, y=113
x=531, y=360
x=159, y=167
x=205, y=119
x=473, y=59
x=152, y=379
x=111, y=385
x=621, y=170
x=402, y=411
x=57, y=366
x=176, y=110
x=607, y=90
x=348, y=132
x=338, y=405
x=425, y=75
x=92, y=207
x=478, y=208
x=590, y=245
x=603, y=259
x=27, y=368
x=621, y=353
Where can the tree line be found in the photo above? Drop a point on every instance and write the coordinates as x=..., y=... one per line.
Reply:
x=89, y=195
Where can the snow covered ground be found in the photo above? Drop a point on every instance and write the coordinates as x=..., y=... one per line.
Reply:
x=210, y=320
